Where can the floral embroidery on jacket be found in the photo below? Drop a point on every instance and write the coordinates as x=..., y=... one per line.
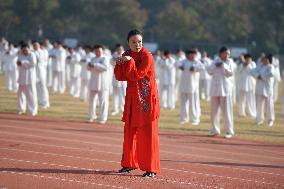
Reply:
x=144, y=94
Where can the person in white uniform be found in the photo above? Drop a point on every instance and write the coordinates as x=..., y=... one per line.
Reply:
x=99, y=85
x=221, y=91
x=277, y=77
x=27, y=94
x=85, y=73
x=189, y=89
x=205, y=78
x=246, y=87
x=119, y=87
x=48, y=46
x=9, y=61
x=58, y=55
x=73, y=60
x=180, y=56
x=167, y=80
x=41, y=72
x=264, y=74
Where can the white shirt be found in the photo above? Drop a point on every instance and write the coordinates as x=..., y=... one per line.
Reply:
x=27, y=69
x=116, y=83
x=85, y=73
x=264, y=86
x=75, y=66
x=167, y=71
x=58, y=60
x=203, y=73
x=246, y=80
x=99, y=74
x=221, y=82
x=189, y=82
x=10, y=60
x=275, y=63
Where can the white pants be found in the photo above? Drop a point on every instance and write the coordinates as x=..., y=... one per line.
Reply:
x=11, y=78
x=167, y=96
x=58, y=83
x=75, y=86
x=42, y=94
x=27, y=97
x=49, y=76
x=68, y=74
x=225, y=104
x=118, y=98
x=247, y=98
x=84, y=89
x=204, y=89
x=103, y=104
x=189, y=107
x=261, y=102
x=275, y=90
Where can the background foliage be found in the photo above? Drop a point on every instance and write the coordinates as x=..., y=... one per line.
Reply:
x=256, y=24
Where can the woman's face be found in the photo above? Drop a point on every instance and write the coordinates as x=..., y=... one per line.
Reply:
x=135, y=43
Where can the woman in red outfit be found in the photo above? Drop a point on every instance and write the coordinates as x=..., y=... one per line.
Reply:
x=141, y=111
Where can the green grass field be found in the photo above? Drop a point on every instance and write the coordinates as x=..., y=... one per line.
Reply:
x=69, y=108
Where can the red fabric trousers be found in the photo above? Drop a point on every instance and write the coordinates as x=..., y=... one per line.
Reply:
x=141, y=147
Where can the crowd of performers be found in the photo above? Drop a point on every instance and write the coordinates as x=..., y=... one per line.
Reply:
x=35, y=70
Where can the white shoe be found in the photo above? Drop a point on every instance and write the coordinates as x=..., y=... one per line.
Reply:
x=195, y=123
x=20, y=112
x=34, y=114
x=91, y=120
x=183, y=122
x=102, y=122
x=114, y=113
x=45, y=107
x=212, y=134
x=259, y=123
x=228, y=135
x=270, y=123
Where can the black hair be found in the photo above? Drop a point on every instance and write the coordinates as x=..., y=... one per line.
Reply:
x=223, y=49
x=118, y=45
x=247, y=55
x=166, y=52
x=97, y=46
x=269, y=57
x=24, y=45
x=191, y=51
x=133, y=32
x=87, y=47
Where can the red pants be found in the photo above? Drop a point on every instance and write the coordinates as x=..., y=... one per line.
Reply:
x=141, y=147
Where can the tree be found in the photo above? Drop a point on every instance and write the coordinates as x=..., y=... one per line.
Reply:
x=180, y=23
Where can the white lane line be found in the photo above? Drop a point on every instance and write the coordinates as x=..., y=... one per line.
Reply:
x=118, y=140
x=176, y=170
x=58, y=146
x=162, y=151
x=61, y=155
x=88, y=150
x=62, y=179
x=98, y=170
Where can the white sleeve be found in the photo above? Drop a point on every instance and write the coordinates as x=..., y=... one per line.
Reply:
x=31, y=62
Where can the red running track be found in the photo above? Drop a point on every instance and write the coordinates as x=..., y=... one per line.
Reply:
x=40, y=152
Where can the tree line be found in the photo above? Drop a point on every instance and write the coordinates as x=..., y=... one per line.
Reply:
x=258, y=24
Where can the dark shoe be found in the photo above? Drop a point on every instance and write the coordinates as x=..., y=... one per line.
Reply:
x=125, y=170
x=149, y=174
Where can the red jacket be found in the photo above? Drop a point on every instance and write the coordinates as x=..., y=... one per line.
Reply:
x=142, y=101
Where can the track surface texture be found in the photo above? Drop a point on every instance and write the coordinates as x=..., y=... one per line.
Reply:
x=40, y=152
